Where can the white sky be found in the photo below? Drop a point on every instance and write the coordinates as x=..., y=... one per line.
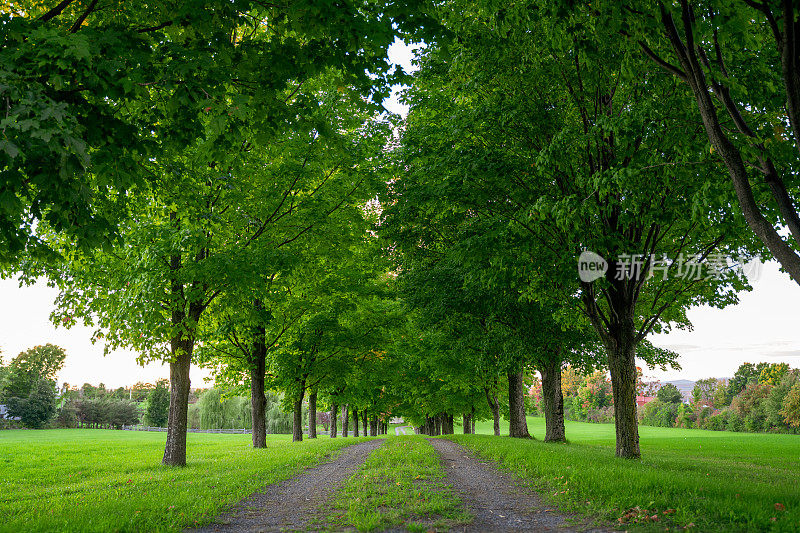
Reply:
x=763, y=327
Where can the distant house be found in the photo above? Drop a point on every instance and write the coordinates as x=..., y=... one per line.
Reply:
x=644, y=400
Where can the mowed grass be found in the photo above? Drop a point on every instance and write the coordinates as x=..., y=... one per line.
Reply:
x=401, y=483
x=105, y=480
x=702, y=480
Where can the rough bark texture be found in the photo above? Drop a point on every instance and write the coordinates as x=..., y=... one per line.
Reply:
x=345, y=420
x=622, y=364
x=364, y=422
x=494, y=405
x=312, y=415
x=553, y=400
x=355, y=423
x=447, y=426
x=258, y=400
x=518, y=425
x=466, y=422
x=175, y=449
x=334, y=420
x=373, y=427
x=297, y=420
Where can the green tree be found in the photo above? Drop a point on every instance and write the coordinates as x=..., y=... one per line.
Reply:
x=669, y=393
x=739, y=61
x=158, y=404
x=551, y=150
x=38, y=408
x=22, y=388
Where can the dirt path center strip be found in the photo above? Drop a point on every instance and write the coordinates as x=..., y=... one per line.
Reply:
x=496, y=500
x=288, y=505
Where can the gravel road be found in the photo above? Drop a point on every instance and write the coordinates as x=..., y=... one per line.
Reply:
x=497, y=500
x=287, y=506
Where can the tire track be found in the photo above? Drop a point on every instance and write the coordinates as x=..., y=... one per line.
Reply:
x=290, y=504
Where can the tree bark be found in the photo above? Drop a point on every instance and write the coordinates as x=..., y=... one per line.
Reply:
x=466, y=423
x=365, y=421
x=355, y=422
x=258, y=400
x=334, y=420
x=494, y=405
x=297, y=420
x=622, y=364
x=518, y=425
x=345, y=420
x=312, y=415
x=373, y=426
x=175, y=449
x=553, y=400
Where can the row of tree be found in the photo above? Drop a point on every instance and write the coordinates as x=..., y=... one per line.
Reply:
x=216, y=183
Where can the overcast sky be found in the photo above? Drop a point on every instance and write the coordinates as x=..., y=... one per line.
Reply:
x=763, y=327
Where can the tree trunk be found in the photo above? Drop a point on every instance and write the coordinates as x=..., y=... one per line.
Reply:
x=334, y=420
x=494, y=405
x=175, y=449
x=312, y=415
x=466, y=423
x=297, y=420
x=373, y=426
x=355, y=422
x=345, y=420
x=553, y=400
x=258, y=400
x=365, y=421
x=447, y=426
x=622, y=364
x=518, y=425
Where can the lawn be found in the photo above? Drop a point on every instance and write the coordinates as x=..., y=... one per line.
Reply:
x=105, y=480
x=401, y=483
x=715, y=481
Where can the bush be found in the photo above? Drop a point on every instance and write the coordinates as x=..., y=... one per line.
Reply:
x=735, y=422
x=67, y=416
x=106, y=412
x=602, y=415
x=660, y=414
x=718, y=421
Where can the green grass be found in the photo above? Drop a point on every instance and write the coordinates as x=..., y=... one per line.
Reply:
x=401, y=483
x=105, y=480
x=718, y=481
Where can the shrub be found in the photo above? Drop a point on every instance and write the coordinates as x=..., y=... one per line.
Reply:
x=660, y=414
x=735, y=422
x=601, y=415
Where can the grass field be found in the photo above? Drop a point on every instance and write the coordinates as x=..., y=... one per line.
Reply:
x=401, y=483
x=105, y=480
x=717, y=481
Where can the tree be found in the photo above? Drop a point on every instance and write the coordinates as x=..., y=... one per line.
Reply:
x=791, y=406
x=704, y=390
x=563, y=151
x=38, y=408
x=219, y=139
x=669, y=393
x=158, y=404
x=727, y=53
x=23, y=388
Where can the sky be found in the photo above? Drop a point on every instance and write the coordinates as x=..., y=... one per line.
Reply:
x=762, y=327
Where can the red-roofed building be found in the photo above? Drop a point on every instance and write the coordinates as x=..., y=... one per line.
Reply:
x=644, y=400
